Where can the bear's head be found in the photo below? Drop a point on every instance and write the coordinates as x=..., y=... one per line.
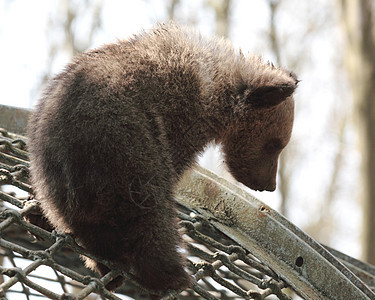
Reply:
x=260, y=130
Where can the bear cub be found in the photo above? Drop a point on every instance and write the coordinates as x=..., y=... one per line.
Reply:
x=113, y=133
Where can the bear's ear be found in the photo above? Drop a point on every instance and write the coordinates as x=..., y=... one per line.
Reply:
x=271, y=95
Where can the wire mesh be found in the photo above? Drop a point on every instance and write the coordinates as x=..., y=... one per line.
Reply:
x=50, y=267
x=221, y=268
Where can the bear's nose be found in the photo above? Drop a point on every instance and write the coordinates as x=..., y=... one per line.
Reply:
x=271, y=187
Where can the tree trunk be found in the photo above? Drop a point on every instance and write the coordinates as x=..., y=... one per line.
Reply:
x=284, y=171
x=358, y=23
x=222, y=25
x=222, y=16
x=171, y=8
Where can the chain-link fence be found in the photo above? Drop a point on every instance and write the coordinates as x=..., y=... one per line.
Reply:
x=238, y=248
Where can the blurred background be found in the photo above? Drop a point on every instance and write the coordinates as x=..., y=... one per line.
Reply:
x=326, y=181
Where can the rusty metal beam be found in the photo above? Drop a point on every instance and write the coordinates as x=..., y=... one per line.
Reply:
x=306, y=265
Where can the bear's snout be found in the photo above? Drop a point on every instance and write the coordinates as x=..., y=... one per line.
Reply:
x=261, y=188
x=258, y=184
x=270, y=188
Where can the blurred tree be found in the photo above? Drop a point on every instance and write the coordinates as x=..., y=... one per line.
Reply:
x=172, y=8
x=222, y=10
x=358, y=23
x=65, y=23
x=222, y=28
x=285, y=163
x=321, y=225
x=288, y=156
x=222, y=25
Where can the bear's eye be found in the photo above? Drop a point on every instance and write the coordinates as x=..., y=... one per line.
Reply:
x=274, y=145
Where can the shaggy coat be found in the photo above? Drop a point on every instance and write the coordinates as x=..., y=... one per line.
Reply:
x=117, y=128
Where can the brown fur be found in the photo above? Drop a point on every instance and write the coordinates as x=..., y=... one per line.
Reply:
x=116, y=129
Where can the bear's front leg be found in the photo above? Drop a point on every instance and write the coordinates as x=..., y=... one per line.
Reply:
x=159, y=264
